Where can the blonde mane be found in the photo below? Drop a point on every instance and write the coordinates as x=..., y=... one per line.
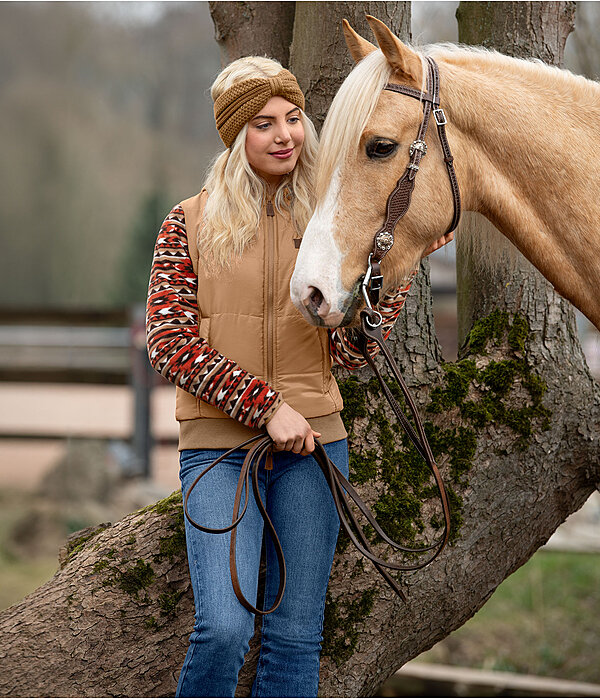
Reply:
x=348, y=115
x=358, y=95
x=558, y=80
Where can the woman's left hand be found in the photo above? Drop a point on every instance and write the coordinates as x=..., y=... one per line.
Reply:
x=438, y=244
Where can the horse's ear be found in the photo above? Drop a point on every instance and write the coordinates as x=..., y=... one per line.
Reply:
x=405, y=62
x=357, y=46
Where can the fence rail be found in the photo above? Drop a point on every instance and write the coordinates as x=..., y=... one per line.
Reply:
x=82, y=346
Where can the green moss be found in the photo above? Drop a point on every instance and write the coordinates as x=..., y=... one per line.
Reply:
x=363, y=468
x=342, y=624
x=453, y=392
x=491, y=386
x=167, y=602
x=518, y=333
x=77, y=544
x=504, y=391
x=354, y=398
x=342, y=542
x=168, y=504
x=491, y=327
x=500, y=376
x=151, y=623
x=100, y=565
x=136, y=578
x=173, y=545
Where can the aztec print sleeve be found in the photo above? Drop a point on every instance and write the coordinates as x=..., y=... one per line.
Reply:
x=175, y=349
x=341, y=340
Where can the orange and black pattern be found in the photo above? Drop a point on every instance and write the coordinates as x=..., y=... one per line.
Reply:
x=178, y=353
x=175, y=349
x=341, y=346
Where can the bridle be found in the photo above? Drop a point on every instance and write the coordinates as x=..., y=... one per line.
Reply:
x=260, y=447
x=398, y=201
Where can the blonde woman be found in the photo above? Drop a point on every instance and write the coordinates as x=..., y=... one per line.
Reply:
x=221, y=327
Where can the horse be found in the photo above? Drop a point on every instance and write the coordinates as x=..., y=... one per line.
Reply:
x=526, y=146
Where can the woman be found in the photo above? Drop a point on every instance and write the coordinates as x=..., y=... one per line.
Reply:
x=221, y=327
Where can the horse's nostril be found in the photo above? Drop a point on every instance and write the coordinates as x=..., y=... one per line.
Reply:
x=315, y=299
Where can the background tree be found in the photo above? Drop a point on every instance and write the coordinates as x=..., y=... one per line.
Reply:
x=506, y=422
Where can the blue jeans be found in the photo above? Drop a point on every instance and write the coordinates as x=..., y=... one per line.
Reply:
x=301, y=508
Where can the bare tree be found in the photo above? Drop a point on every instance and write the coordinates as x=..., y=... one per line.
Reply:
x=514, y=425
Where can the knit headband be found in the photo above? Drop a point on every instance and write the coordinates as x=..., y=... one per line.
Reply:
x=244, y=100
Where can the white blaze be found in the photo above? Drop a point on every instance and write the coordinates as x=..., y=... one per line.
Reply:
x=319, y=261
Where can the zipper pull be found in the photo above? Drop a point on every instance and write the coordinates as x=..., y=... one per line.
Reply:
x=270, y=210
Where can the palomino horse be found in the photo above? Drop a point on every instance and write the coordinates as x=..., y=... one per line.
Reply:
x=526, y=144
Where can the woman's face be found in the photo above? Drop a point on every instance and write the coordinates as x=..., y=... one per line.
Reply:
x=274, y=139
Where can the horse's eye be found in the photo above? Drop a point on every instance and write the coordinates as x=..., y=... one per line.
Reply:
x=381, y=148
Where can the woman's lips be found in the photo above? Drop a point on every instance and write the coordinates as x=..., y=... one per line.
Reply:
x=282, y=155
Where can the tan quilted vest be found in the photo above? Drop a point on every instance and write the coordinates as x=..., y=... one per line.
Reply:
x=247, y=315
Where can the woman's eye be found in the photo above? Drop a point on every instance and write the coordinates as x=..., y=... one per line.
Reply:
x=263, y=126
x=294, y=120
x=381, y=148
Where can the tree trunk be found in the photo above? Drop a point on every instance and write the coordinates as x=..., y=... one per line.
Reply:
x=506, y=424
x=250, y=28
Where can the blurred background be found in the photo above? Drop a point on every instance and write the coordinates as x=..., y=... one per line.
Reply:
x=105, y=123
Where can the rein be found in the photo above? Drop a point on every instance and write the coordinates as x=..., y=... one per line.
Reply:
x=261, y=446
x=342, y=491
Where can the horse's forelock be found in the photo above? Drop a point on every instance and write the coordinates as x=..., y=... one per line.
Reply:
x=348, y=115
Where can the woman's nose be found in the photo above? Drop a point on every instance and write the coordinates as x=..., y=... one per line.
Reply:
x=283, y=134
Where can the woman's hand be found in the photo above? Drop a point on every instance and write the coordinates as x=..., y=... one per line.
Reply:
x=291, y=431
x=438, y=244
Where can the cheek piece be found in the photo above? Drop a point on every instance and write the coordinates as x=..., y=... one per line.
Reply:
x=399, y=199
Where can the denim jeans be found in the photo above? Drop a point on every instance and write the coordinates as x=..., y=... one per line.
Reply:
x=301, y=508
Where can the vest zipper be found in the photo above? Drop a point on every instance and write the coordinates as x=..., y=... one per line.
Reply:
x=270, y=288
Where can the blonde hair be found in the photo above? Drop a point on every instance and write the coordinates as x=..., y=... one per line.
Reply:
x=236, y=193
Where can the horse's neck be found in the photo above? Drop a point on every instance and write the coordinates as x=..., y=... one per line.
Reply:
x=527, y=149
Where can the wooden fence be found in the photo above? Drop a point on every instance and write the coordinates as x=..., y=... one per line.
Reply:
x=83, y=346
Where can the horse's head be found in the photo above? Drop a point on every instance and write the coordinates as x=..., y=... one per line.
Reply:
x=364, y=151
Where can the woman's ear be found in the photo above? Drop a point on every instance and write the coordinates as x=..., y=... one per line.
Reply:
x=358, y=47
x=405, y=62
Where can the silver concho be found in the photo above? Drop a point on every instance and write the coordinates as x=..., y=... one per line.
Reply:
x=384, y=240
x=418, y=146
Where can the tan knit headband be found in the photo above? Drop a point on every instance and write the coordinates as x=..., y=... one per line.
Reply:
x=244, y=100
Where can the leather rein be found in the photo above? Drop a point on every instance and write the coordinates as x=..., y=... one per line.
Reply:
x=260, y=446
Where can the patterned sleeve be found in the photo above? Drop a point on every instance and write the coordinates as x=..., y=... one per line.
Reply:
x=342, y=342
x=174, y=347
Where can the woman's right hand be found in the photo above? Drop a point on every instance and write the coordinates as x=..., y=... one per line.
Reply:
x=290, y=431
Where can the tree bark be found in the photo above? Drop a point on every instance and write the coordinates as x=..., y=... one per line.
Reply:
x=506, y=424
x=253, y=28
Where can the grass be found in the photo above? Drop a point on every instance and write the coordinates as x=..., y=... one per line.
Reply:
x=543, y=620
x=20, y=578
x=19, y=575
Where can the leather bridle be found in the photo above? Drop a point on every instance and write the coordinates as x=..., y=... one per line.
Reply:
x=342, y=491
x=398, y=201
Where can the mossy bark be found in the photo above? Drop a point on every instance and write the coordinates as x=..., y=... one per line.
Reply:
x=515, y=426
